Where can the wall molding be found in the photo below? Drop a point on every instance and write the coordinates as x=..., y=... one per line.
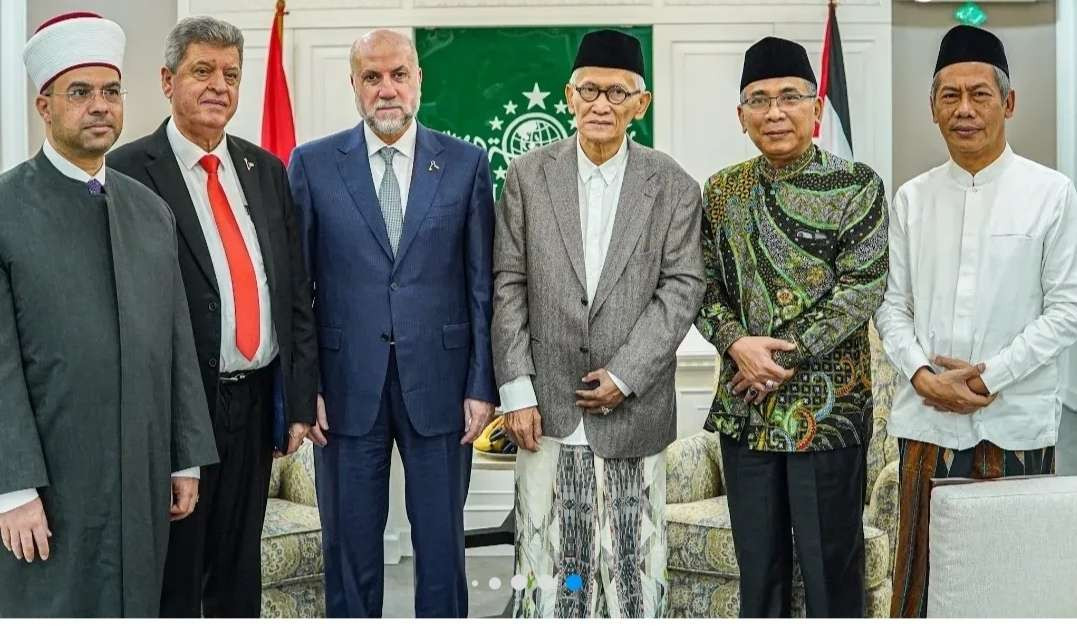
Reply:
x=330, y=14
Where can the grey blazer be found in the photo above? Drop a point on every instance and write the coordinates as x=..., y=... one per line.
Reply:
x=649, y=292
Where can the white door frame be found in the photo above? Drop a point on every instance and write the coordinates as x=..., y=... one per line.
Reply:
x=13, y=98
x=1066, y=86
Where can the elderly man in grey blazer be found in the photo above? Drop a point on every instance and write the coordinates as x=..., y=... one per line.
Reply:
x=598, y=275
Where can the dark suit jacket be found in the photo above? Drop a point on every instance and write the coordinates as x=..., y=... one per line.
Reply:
x=434, y=298
x=262, y=177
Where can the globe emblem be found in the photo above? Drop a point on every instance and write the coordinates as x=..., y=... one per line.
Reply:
x=530, y=131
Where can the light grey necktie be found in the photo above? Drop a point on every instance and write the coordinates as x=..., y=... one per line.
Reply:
x=389, y=198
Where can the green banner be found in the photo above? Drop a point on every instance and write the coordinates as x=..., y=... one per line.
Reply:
x=503, y=89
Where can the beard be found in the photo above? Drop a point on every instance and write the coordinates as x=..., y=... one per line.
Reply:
x=83, y=143
x=389, y=126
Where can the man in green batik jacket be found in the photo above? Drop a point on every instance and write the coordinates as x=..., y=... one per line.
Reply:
x=794, y=243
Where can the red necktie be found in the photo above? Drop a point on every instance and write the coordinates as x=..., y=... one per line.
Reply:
x=240, y=266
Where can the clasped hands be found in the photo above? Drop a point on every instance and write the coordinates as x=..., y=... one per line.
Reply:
x=960, y=389
x=758, y=375
x=524, y=426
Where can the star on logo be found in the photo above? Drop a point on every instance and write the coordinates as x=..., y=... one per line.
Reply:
x=560, y=107
x=500, y=174
x=510, y=108
x=496, y=123
x=536, y=97
x=572, y=123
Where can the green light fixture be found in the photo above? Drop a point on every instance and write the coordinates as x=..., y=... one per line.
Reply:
x=971, y=14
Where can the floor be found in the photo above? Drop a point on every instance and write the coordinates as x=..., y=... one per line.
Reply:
x=488, y=577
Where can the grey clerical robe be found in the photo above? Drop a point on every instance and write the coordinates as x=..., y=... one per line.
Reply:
x=100, y=396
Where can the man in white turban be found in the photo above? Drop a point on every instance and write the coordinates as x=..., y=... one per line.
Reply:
x=103, y=419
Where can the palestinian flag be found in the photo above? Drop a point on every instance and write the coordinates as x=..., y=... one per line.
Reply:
x=835, y=132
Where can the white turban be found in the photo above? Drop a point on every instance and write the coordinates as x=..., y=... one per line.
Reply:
x=70, y=41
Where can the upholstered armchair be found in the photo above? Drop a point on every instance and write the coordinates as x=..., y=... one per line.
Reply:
x=292, y=565
x=702, y=565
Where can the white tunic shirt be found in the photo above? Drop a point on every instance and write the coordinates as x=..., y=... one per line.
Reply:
x=983, y=268
x=599, y=189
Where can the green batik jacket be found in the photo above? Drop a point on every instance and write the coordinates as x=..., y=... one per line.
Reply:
x=798, y=254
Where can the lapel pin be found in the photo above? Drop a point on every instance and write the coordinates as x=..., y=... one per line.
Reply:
x=249, y=163
x=433, y=167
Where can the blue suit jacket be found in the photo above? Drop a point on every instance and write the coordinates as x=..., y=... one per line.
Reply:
x=435, y=298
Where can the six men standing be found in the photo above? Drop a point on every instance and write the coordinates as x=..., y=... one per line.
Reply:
x=574, y=296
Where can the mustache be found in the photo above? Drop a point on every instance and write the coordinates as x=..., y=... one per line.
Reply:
x=381, y=104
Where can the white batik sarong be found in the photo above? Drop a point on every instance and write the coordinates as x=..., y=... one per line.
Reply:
x=590, y=534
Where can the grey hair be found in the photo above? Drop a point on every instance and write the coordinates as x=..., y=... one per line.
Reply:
x=641, y=84
x=1001, y=80
x=811, y=88
x=200, y=30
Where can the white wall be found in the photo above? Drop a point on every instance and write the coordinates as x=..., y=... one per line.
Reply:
x=146, y=23
x=698, y=51
x=1028, y=33
x=12, y=83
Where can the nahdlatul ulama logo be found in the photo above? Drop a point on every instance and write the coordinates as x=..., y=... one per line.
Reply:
x=517, y=128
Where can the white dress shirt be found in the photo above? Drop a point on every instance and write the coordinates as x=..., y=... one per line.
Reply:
x=188, y=154
x=983, y=268
x=599, y=189
x=402, y=161
x=11, y=500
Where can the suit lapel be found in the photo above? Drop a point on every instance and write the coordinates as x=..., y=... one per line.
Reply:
x=633, y=209
x=354, y=166
x=165, y=173
x=424, y=185
x=247, y=173
x=562, y=182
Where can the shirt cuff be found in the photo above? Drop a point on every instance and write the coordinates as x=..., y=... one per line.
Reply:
x=996, y=375
x=191, y=472
x=18, y=498
x=517, y=394
x=625, y=390
x=912, y=360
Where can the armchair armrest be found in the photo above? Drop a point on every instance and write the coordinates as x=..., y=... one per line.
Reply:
x=692, y=469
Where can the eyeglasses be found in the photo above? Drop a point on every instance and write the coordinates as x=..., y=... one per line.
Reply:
x=615, y=94
x=786, y=101
x=81, y=95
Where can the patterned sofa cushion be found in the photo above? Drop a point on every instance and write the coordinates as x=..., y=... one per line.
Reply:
x=701, y=540
x=291, y=543
x=300, y=598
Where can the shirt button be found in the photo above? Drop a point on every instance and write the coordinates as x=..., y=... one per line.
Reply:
x=584, y=349
x=583, y=300
x=394, y=286
x=212, y=362
x=384, y=337
x=213, y=306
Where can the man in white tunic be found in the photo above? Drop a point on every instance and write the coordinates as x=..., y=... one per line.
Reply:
x=980, y=302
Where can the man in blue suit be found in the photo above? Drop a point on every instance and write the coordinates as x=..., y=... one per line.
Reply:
x=397, y=227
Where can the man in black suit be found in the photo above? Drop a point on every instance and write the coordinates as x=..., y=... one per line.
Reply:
x=250, y=303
